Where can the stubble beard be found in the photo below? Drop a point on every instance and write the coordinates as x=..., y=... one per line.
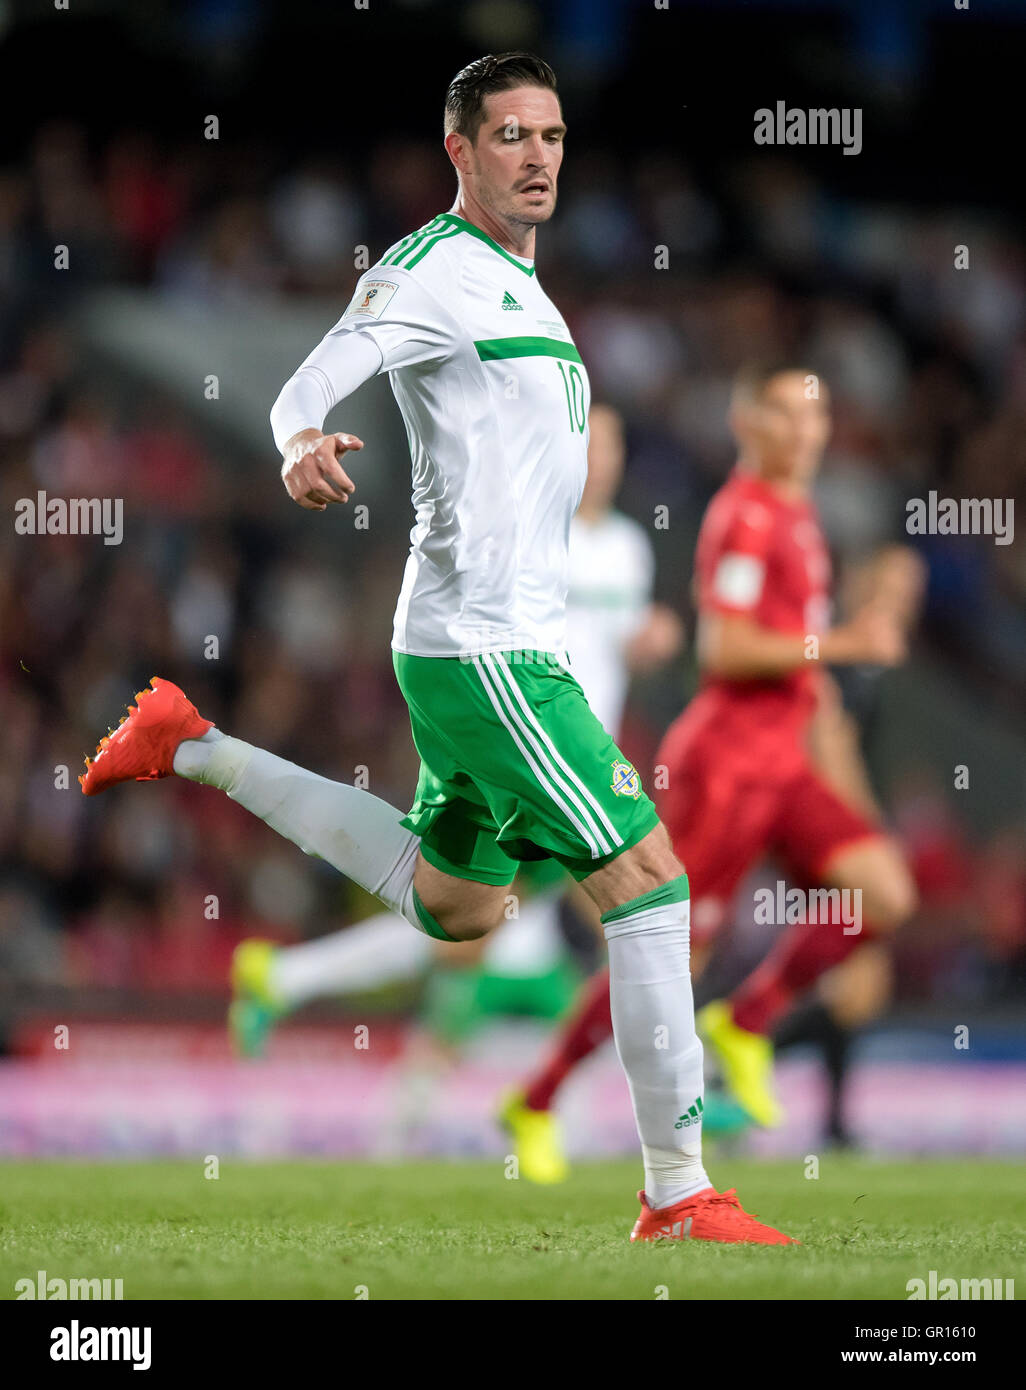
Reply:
x=504, y=207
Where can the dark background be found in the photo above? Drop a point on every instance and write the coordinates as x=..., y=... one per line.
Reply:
x=193, y=256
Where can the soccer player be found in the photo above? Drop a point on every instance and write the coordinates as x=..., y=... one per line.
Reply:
x=739, y=779
x=613, y=630
x=514, y=764
x=848, y=997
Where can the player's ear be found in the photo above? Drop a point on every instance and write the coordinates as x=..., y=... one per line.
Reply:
x=456, y=147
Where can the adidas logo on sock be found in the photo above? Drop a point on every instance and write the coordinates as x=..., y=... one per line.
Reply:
x=508, y=302
x=692, y=1116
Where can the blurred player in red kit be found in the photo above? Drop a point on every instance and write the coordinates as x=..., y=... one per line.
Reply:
x=735, y=768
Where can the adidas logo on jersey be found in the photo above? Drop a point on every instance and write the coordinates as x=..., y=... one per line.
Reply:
x=508, y=302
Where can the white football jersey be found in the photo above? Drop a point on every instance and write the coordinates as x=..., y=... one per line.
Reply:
x=611, y=574
x=495, y=400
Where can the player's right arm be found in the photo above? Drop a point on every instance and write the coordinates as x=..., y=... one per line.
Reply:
x=310, y=469
x=390, y=323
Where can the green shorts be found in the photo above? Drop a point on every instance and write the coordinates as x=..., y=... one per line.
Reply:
x=457, y=1002
x=514, y=767
x=538, y=876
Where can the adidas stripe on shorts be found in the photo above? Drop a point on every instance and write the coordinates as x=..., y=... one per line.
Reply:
x=515, y=767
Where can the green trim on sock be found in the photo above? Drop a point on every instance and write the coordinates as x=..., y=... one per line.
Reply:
x=428, y=923
x=676, y=891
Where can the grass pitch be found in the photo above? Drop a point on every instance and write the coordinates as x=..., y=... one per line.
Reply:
x=430, y=1230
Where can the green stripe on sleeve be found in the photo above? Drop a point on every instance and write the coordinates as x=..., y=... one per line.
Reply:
x=410, y=243
x=495, y=349
x=431, y=242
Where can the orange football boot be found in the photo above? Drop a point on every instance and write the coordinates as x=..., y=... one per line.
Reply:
x=143, y=745
x=708, y=1215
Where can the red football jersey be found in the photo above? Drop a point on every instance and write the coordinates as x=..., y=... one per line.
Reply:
x=761, y=555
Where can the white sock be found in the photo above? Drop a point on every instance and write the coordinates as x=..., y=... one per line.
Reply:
x=192, y=756
x=654, y=1027
x=375, y=952
x=355, y=832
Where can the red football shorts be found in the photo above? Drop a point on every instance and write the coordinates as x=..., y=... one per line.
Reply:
x=722, y=821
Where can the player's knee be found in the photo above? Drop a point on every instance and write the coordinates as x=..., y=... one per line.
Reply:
x=642, y=869
x=463, y=909
x=460, y=930
x=656, y=858
x=894, y=901
x=465, y=922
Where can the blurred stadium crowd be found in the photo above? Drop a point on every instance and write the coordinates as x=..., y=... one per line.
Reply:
x=928, y=370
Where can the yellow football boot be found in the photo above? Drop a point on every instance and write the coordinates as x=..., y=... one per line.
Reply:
x=536, y=1140
x=747, y=1062
x=254, y=1009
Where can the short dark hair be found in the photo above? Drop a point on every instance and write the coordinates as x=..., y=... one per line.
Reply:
x=496, y=72
x=753, y=378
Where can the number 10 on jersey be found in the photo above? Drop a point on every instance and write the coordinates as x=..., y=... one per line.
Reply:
x=573, y=385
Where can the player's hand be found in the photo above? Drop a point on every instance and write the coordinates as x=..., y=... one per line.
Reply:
x=894, y=578
x=899, y=582
x=657, y=641
x=879, y=636
x=311, y=471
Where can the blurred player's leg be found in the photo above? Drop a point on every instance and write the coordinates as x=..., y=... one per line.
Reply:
x=380, y=950
x=845, y=1001
x=522, y=971
x=807, y=950
x=812, y=1025
x=721, y=818
x=590, y=1025
x=520, y=968
x=268, y=982
x=746, y=1059
x=833, y=845
x=526, y=1112
x=717, y=829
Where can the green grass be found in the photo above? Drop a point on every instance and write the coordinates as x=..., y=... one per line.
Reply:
x=463, y=1231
